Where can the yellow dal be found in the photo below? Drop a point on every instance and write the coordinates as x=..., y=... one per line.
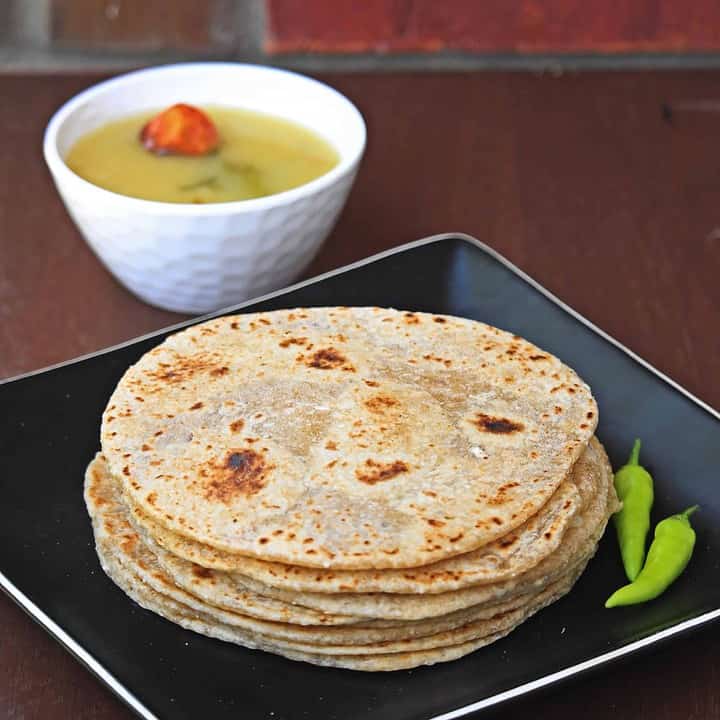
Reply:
x=259, y=155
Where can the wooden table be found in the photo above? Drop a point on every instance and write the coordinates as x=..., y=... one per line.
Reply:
x=605, y=187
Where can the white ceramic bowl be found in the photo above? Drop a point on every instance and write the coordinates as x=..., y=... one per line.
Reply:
x=197, y=258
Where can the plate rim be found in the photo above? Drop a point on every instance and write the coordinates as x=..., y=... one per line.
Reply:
x=124, y=694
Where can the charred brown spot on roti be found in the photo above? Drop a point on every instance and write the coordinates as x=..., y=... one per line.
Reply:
x=145, y=447
x=183, y=368
x=126, y=470
x=196, y=406
x=437, y=359
x=508, y=540
x=151, y=498
x=590, y=415
x=371, y=383
x=411, y=318
x=374, y=472
x=378, y=404
x=497, y=520
x=287, y=342
x=501, y=495
x=241, y=472
x=538, y=357
x=331, y=445
x=439, y=320
x=434, y=522
x=496, y=425
x=235, y=325
x=220, y=371
x=264, y=321
x=237, y=425
x=201, y=572
x=328, y=358
x=128, y=543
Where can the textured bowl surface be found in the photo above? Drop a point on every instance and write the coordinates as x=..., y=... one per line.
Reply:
x=197, y=258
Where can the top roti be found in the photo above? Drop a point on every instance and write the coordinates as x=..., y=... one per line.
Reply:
x=350, y=438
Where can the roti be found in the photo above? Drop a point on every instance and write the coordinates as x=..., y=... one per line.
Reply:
x=235, y=593
x=351, y=438
x=114, y=532
x=192, y=620
x=467, y=635
x=579, y=545
x=134, y=559
x=504, y=558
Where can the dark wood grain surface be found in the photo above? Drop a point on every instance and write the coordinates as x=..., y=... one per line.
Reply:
x=605, y=187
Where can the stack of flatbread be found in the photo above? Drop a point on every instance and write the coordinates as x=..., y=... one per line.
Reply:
x=353, y=487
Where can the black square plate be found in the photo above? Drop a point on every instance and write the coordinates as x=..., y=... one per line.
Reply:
x=49, y=430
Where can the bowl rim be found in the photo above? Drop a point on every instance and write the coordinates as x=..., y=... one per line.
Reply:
x=65, y=176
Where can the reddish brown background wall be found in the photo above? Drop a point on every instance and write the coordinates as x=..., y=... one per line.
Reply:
x=605, y=26
x=333, y=30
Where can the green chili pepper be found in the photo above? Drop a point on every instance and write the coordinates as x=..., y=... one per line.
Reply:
x=668, y=556
x=634, y=487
